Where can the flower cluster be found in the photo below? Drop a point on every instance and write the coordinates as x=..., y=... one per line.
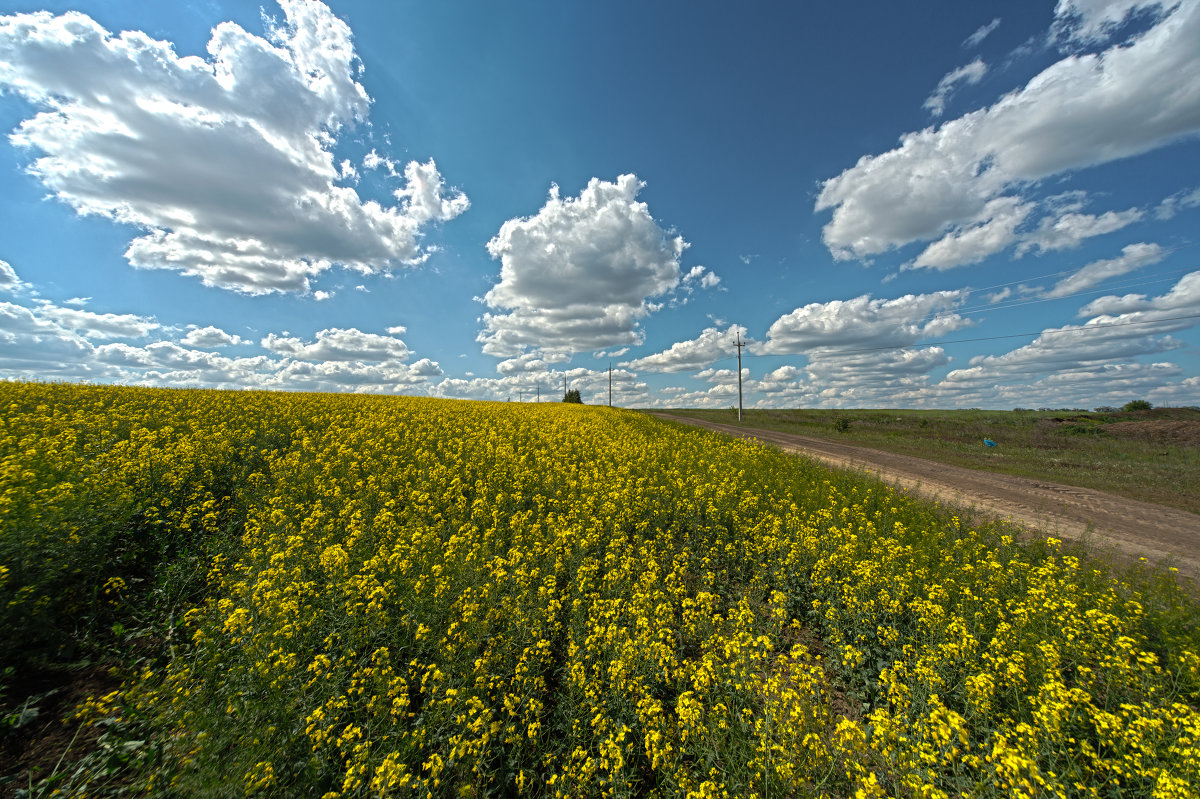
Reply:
x=435, y=598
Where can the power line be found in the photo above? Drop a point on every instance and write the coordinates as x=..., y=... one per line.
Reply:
x=1166, y=252
x=1084, y=292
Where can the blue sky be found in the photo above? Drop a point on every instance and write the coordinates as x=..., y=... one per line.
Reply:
x=896, y=205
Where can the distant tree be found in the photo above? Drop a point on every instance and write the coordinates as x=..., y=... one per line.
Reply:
x=572, y=395
x=1137, y=405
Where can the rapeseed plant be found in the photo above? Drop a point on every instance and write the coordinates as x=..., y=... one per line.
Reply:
x=418, y=597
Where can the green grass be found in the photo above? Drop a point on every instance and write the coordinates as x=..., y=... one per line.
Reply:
x=1072, y=447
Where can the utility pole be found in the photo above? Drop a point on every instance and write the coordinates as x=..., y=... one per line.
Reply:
x=539, y=389
x=564, y=386
x=610, y=384
x=739, y=345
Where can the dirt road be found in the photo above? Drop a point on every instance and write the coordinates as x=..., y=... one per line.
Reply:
x=1131, y=528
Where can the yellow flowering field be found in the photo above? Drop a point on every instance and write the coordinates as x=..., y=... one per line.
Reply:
x=347, y=595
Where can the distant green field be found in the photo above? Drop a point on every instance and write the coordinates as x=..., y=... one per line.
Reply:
x=1151, y=455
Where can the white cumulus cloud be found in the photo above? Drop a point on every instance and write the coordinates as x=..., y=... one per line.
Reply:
x=581, y=273
x=337, y=344
x=1120, y=329
x=711, y=345
x=968, y=245
x=863, y=323
x=210, y=336
x=1084, y=110
x=1182, y=299
x=97, y=325
x=224, y=161
x=48, y=341
x=530, y=362
x=1089, y=21
x=593, y=385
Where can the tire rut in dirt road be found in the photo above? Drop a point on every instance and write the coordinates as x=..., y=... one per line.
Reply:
x=1133, y=529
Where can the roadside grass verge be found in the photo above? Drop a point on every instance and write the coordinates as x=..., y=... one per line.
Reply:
x=369, y=596
x=1151, y=455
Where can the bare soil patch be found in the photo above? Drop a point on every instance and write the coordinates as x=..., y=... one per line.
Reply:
x=1126, y=527
x=53, y=737
x=1163, y=431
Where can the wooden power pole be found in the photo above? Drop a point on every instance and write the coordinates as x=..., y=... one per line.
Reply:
x=739, y=345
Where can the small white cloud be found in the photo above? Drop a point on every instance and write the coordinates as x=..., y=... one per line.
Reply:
x=981, y=33
x=77, y=302
x=1133, y=256
x=723, y=377
x=997, y=229
x=321, y=296
x=337, y=344
x=9, y=280
x=696, y=276
x=684, y=356
x=1092, y=21
x=1069, y=230
x=210, y=336
x=426, y=368
x=424, y=196
x=1183, y=296
x=1172, y=205
x=969, y=74
x=530, y=362
x=781, y=378
x=32, y=343
x=863, y=323
x=373, y=160
x=97, y=325
x=397, y=330
x=628, y=391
